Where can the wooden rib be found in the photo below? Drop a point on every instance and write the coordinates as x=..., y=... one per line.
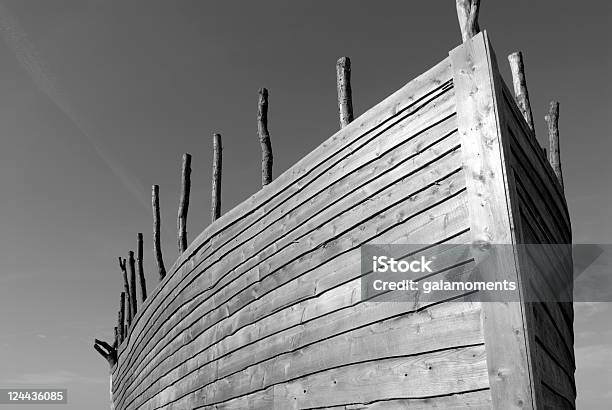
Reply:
x=264, y=137
x=552, y=119
x=215, y=206
x=121, y=317
x=467, y=13
x=131, y=264
x=128, y=295
x=184, y=203
x=157, y=250
x=521, y=95
x=141, y=274
x=345, y=95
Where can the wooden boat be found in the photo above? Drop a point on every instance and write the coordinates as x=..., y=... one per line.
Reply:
x=264, y=311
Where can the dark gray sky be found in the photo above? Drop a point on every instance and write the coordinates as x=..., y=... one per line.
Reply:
x=99, y=99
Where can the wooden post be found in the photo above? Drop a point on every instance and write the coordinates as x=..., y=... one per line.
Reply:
x=116, y=341
x=141, y=275
x=121, y=318
x=106, y=351
x=521, y=95
x=554, y=154
x=126, y=286
x=184, y=203
x=467, y=12
x=345, y=95
x=132, y=266
x=157, y=232
x=264, y=137
x=215, y=206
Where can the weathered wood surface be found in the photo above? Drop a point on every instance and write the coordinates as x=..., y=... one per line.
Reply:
x=519, y=83
x=267, y=158
x=345, y=93
x=552, y=120
x=141, y=275
x=217, y=169
x=157, y=250
x=184, y=203
x=485, y=156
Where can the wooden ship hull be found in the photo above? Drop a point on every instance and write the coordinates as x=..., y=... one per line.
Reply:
x=264, y=309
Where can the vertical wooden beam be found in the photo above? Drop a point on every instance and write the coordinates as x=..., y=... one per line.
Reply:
x=116, y=340
x=484, y=152
x=157, y=232
x=126, y=286
x=467, y=13
x=554, y=154
x=132, y=263
x=141, y=275
x=264, y=137
x=521, y=95
x=345, y=94
x=121, y=317
x=215, y=205
x=184, y=203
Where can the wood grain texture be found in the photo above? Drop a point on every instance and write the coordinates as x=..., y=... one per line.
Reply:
x=267, y=159
x=141, y=274
x=485, y=155
x=519, y=82
x=345, y=94
x=359, y=158
x=552, y=120
x=184, y=203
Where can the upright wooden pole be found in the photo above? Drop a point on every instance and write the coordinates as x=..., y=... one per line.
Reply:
x=107, y=351
x=264, y=137
x=121, y=318
x=157, y=232
x=116, y=341
x=131, y=263
x=141, y=275
x=554, y=153
x=215, y=205
x=345, y=95
x=184, y=203
x=126, y=286
x=521, y=95
x=467, y=12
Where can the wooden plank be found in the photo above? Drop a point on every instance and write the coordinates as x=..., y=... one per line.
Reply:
x=320, y=255
x=405, y=333
x=424, y=375
x=416, y=122
x=479, y=399
x=392, y=106
x=367, y=201
x=485, y=156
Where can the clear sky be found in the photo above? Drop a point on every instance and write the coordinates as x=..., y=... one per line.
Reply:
x=99, y=100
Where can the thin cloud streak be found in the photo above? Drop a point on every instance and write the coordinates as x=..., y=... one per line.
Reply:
x=31, y=61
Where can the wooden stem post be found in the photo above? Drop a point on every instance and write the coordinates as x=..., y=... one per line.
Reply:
x=132, y=263
x=521, y=95
x=264, y=137
x=126, y=286
x=184, y=203
x=141, y=275
x=215, y=205
x=467, y=12
x=554, y=154
x=121, y=317
x=157, y=232
x=345, y=95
